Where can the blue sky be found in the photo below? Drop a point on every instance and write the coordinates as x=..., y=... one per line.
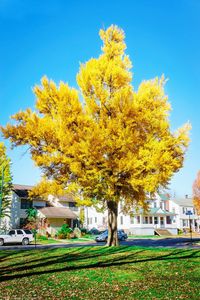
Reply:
x=52, y=37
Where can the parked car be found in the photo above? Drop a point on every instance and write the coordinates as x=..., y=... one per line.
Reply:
x=15, y=236
x=122, y=236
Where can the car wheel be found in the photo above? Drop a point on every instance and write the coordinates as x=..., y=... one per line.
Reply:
x=25, y=241
x=1, y=242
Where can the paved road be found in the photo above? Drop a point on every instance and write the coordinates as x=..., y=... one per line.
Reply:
x=157, y=243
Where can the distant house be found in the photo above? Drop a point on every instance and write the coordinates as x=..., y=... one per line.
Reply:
x=185, y=212
x=164, y=213
x=138, y=222
x=52, y=212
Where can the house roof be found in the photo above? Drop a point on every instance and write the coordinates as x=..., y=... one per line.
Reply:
x=155, y=212
x=58, y=212
x=159, y=211
x=183, y=201
x=66, y=198
x=22, y=190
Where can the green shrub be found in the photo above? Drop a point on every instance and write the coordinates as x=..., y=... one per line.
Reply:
x=42, y=237
x=83, y=230
x=64, y=232
x=180, y=231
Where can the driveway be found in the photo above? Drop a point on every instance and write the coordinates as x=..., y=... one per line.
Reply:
x=151, y=242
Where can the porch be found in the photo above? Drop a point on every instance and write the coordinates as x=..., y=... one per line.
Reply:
x=52, y=219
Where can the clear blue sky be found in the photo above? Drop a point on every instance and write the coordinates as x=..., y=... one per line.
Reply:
x=52, y=37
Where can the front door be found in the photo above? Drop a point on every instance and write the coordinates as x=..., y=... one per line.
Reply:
x=12, y=237
x=162, y=224
x=19, y=236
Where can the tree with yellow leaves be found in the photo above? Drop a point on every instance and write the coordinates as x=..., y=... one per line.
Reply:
x=106, y=142
x=196, y=193
x=5, y=183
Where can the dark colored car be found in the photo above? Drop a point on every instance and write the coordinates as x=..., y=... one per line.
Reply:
x=122, y=236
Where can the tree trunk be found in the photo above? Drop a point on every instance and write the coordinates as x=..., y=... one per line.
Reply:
x=112, y=223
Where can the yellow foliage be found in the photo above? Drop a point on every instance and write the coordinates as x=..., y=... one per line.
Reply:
x=106, y=141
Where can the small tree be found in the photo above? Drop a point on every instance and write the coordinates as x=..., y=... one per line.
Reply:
x=196, y=193
x=5, y=183
x=107, y=142
x=31, y=219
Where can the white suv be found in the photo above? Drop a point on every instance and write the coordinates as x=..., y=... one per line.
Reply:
x=14, y=236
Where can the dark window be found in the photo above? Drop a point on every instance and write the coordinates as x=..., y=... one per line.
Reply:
x=19, y=232
x=73, y=206
x=138, y=219
x=150, y=220
x=168, y=220
x=155, y=220
x=121, y=218
x=27, y=231
x=26, y=203
x=11, y=232
x=22, y=222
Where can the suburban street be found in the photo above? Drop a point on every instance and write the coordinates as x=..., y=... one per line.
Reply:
x=155, y=243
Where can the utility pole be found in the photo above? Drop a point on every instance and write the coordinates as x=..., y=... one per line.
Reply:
x=189, y=213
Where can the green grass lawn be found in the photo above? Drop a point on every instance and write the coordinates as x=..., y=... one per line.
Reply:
x=100, y=273
x=46, y=241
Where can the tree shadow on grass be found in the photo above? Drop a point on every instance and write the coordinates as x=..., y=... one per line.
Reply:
x=104, y=259
x=75, y=255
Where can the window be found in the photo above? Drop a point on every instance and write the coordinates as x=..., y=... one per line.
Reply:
x=121, y=220
x=145, y=220
x=155, y=220
x=11, y=232
x=22, y=222
x=150, y=220
x=19, y=232
x=132, y=220
x=103, y=220
x=138, y=219
x=73, y=206
x=95, y=219
x=183, y=210
x=185, y=223
x=168, y=220
x=154, y=204
x=26, y=203
x=27, y=231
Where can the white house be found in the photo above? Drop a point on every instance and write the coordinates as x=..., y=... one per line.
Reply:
x=185, y=213
x=164, y=213
x=53, y=213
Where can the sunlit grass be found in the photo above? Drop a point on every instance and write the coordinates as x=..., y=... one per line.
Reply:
x=100, y=273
